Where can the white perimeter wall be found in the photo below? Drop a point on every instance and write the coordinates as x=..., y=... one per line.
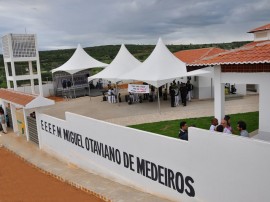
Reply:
x=47, y=89
x=218, y=167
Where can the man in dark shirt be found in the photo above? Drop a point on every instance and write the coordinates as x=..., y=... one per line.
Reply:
x=172, y=94
x=183, y=90
x=183, y=133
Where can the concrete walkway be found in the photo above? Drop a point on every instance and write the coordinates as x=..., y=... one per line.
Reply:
x=122, y=114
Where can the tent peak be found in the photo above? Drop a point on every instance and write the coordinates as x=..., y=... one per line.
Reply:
x=80, y=60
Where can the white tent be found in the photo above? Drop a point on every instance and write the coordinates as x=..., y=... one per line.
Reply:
x=79, y=61
x=122, y=63
x=159, y=68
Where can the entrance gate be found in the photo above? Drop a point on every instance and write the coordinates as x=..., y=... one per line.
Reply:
x=32, y=130
x=8, y=111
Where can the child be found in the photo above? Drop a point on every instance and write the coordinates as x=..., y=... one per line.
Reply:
x=214, y=123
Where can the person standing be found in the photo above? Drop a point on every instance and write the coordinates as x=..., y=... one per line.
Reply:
x=183, y=91
x=225, y=125
x=214, y=123
x=109, y=95
x=3, y=121
x=183, y=133
x=189, y=86
x=172, y=94
x=228, y=119
x=242, y=126
x=176, y=96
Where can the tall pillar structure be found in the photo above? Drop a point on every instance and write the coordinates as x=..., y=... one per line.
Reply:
x=21, y=48
x=219, y=100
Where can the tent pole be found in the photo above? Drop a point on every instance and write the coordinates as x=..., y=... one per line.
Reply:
x=73, y=86
x=117, y=94
x=89, y=91
x=158, y=102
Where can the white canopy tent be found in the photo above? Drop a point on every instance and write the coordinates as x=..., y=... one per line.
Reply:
x=122, y=63
x=79, y=61
x=159, y=68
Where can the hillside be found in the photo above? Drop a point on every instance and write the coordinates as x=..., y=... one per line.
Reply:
x=54, y=58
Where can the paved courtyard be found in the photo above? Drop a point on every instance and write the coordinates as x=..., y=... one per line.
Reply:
x=124, y=114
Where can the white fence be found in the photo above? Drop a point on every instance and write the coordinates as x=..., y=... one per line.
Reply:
x=48, y=89
x=208, y=167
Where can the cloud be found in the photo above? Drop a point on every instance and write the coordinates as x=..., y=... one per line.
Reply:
x=65, y=23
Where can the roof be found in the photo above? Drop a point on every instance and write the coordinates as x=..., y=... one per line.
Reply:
x=262, y=28
x=122, y=63
x=253, y=53
x=189, y=56
x=160, y=68
x=16, y=97
x=24, y=99
x=79, y=61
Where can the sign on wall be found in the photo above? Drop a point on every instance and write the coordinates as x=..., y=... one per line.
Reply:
x=208, y=167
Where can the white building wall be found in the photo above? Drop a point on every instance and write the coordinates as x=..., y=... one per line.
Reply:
x=263, y=80
x=262, y=35
x=209, y=167
x=264, y=109
x=205, y=89
x=240, y=88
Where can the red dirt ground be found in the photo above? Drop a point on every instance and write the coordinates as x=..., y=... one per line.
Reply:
x=21, y=182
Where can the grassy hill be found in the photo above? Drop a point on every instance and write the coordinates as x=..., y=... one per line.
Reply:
x=54, y=58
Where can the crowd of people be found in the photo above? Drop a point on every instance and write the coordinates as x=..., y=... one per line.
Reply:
x=223, y=127
x=180, y=92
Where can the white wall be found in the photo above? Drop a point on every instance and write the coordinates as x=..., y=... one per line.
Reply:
x=240, y=88
x=263, y=80
x=205, y=88
x=217, y=167
x=47, y=89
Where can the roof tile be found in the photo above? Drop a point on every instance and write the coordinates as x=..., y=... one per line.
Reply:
x=252, y=53
x=16, y=97
x=189, y=56
x=262, y=28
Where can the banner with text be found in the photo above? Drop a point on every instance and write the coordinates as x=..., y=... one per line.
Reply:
x=135, y=88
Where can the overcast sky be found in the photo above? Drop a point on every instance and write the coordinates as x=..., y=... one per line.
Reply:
x=63, y=24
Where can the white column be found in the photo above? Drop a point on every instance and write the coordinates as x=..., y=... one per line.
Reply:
x=26, y=124
x=13, y=75
x=31, y=77
x=7, y=74
x=38, y=70
x=219, y=97
x=39, y=79
x=14, y=118
x=38, y=111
